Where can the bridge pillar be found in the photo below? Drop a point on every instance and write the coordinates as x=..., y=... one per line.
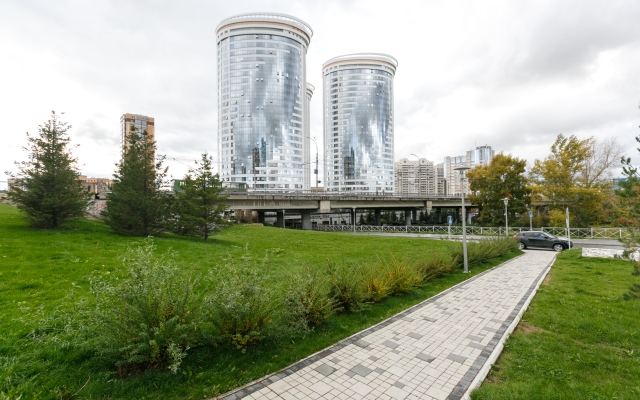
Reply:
x=439, y=215
x=468, y=211
x=407, y=217
x=414, y=216
x=280, y=219
x=306, y=219
x=378, y=214
x=261, y=217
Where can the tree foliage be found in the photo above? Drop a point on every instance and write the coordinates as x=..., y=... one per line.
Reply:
x=576, y=175
x=137, y=206
x=503, y=178
x=47, y=187
x=199, y=208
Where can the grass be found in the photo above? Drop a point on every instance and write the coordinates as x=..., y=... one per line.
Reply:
x=39, y=268
x=578, y=340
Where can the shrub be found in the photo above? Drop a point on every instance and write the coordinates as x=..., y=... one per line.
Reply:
x=345, y=287
x=483, y=250
x=307, y=300
x=148, y=314
x=374, y=283
x=400, y=276
x=435, y=264
x=245, y=305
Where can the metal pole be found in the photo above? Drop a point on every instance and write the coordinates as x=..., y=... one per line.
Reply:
x=531, y=221
x=506, y=219
x=354, y=220
x=464, y=230
x=568, y=229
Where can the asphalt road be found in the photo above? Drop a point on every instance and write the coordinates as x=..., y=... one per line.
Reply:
x=579, y=243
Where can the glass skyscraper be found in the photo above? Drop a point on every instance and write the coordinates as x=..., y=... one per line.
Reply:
x=262, y=101
x=358, y=123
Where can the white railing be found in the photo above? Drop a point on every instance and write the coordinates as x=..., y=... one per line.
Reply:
x=578, y=233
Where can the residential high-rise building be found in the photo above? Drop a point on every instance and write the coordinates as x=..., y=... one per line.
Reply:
x=441, y=182
x=307, y=133
x=141, y=123
x=482, y=155
x=262, y=105
x=415, y=177
x=358, y=123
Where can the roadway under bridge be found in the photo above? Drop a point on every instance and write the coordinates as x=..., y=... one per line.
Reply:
x=307, y=204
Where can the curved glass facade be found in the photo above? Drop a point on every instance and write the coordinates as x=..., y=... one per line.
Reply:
x=262, y=103
x=358, y=123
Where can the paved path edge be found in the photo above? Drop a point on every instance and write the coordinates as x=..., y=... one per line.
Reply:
x=258, y=383
x=528, y=297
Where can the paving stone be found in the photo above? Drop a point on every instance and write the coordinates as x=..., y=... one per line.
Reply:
x=425, y=357
x=478, y=310
x=325, y=370
x=476, y=346
x=361, y=370
x=390, y=344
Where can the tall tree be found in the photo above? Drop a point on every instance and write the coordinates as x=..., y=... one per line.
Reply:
x=576, y=175
x=490, y=184
x=47, y=187
x=200, y=207
x=629, y=192
x=137, y=206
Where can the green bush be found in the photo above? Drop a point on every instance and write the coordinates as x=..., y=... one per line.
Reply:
x=307, y=300
x=245, y=304
x=484, y=250
x=435, y=264
x=148, y=314
x=345, y=287
x=374, y=283
x=400, y=276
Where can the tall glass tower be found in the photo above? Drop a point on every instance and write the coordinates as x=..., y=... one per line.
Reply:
x=262, y=105
x=358, y=123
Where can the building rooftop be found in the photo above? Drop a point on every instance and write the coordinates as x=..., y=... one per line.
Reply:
x=270, y=17
x=363, y=56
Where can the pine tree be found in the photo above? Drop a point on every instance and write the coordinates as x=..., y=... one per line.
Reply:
x=47, y=187
x=200, y=206
x=136, y=205
x=361, y=220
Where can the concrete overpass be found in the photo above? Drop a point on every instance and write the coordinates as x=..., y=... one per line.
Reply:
x=306, y=204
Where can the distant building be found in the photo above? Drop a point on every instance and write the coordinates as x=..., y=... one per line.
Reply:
x=141, y=123
x=96, y=185
x=482, y=155
x=441, y=182
x=415, y=177
x=176, y=185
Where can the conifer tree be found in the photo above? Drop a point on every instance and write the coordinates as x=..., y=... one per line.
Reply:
x=47, y=187
x=137, y=206
x=199, y=208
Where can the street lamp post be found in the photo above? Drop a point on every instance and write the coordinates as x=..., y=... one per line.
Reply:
x=316, y=170
x=464, y=222
x=506, y=215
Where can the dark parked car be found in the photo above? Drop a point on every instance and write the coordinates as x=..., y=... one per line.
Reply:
x=542, y=239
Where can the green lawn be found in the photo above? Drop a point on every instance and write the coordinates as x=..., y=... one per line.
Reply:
x=39, y=268
x=579, y=339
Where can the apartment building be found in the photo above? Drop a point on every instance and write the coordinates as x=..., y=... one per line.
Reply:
x=481, y=155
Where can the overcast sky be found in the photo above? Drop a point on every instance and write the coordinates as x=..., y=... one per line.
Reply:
x=511, y=74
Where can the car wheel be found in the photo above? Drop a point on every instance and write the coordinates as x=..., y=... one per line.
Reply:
x=522, y=246
x=558, y=247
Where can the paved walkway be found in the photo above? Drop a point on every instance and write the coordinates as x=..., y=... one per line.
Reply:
x=438, y=349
